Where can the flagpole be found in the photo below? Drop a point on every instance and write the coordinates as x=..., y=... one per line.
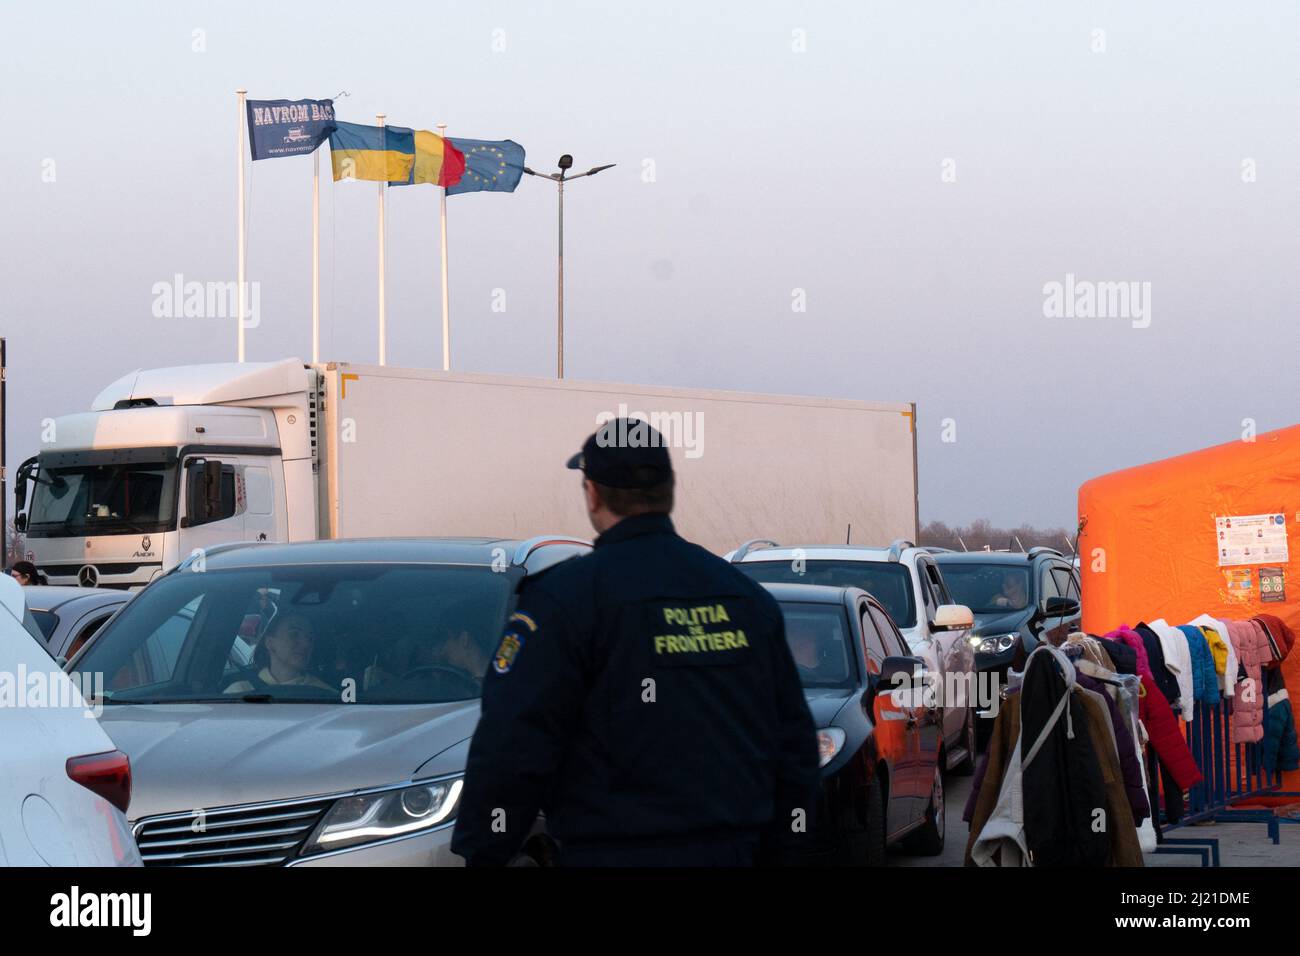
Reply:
x=315, y=255
x=446, y=318
x=382, y=319
x=239, y=158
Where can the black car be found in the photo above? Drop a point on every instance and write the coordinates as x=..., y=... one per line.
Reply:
x=1015, y=598
x=881, y=754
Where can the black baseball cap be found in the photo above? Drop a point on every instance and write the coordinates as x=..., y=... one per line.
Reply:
x=625, y=453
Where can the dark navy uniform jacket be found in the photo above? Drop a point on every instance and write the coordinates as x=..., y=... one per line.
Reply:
x=642, y=695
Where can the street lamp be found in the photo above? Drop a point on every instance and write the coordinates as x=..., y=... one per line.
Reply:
x=560, y=178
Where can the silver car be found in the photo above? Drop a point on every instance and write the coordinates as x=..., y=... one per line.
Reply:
x=308, y=704
x=68, y=616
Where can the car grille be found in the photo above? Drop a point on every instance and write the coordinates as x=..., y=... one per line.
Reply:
x=254, y=835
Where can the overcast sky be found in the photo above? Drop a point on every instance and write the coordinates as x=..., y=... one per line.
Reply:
x=920, y=170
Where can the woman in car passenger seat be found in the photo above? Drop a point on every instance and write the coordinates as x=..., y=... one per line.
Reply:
x=283, y=656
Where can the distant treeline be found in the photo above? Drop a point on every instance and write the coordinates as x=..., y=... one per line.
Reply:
x=978, y=535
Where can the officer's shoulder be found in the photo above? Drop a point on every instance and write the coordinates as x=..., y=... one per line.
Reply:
x=734, y=577
x=562, y=576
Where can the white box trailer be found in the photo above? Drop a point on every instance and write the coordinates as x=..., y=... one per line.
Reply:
x=170, y=460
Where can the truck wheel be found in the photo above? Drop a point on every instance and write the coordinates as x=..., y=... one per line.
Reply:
x=874, y=852
x=928, y=840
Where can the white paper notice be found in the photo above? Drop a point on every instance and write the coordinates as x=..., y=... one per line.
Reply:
x=1251, y=539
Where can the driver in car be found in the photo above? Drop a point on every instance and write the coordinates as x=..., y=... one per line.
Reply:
x=808, y=652
x=1013, y=591
x=283, y=657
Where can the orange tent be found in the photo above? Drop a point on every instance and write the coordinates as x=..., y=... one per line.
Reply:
x=1158, y=540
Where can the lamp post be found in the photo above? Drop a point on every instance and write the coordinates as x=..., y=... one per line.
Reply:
x=560, y=178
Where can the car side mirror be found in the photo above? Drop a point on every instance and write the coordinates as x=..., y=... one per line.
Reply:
x=1060, y=607
x=895, y=672
x=953, y=617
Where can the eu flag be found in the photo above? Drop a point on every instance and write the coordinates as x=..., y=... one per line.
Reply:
x=490, y=165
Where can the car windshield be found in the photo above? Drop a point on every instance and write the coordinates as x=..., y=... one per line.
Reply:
x=889, y=582
x=94, y=499
x=368, y=633
x=818, y=639
x=988, y=588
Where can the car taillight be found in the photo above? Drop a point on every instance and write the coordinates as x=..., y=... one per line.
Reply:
x=107, y=774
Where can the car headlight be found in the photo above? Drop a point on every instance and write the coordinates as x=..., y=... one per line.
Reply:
x=369, y=817
x=998, y=643
x=829, y=742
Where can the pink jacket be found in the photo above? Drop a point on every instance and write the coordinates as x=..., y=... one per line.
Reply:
x=1253, y=651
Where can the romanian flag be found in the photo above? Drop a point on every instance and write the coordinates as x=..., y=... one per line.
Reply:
x=490, y=166
x=375, y=153
x=437, y=161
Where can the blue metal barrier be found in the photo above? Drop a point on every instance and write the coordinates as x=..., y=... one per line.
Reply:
x=1231, y=772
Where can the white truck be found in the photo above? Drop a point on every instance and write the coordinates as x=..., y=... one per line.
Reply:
x=176, y=459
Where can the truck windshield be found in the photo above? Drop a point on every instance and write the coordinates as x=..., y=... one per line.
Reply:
x=322, y=634
x=102, y=499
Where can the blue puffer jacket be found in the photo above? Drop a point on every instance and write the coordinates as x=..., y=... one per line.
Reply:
x=1280, y=749
x=1205, y=679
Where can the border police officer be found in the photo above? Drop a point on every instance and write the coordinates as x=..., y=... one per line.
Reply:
x=642, y=696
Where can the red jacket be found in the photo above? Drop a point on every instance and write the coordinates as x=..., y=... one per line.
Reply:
x=1162, y=727
x=1280, y=637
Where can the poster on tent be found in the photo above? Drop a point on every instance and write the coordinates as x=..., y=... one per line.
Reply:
x=1251, y=539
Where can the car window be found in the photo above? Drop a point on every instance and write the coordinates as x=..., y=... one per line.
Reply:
x=873, y=644
x=934, y=581
x=1065, y=585
x=895, y=646
x=888, y=582
x=47, y=621
x=1047, y=586
x=819, y=643
x=988, y=588
x=86, y=633
x=370, y=633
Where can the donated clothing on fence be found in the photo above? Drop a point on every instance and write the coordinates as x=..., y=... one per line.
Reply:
x=1127, y=637
x=1205, y=680
x=1044, y=811
x=1179, y=661
x=1169, y=743
x=1131, y=770
x=1252, y=647
x=645, y=699
x=1280, y=750
x=1160, y=673
x=1280, y=637
x=1124, y=657
x=1222, y=648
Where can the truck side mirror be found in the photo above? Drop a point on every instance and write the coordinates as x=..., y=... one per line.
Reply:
x=20, y=522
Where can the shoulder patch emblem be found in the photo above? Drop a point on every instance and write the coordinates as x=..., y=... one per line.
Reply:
x=504, y=659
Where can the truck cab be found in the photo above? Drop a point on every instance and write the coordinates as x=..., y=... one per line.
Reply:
x=169, y=461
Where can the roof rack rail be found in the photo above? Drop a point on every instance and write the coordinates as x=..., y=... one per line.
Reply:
x=525, y=548
x=739, y=554
x=935, y=549
x=897, y=547
x=1043, y=549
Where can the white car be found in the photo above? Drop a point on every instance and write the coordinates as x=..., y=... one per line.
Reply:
x=65, y=787
x=906, y=580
